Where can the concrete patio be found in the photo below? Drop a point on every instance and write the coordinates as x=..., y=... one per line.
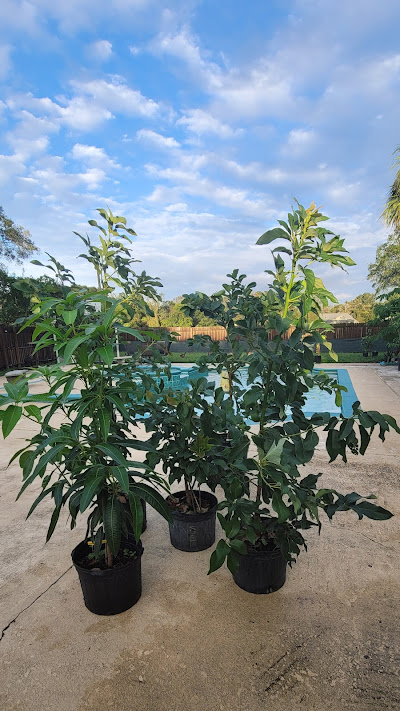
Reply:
x=327, y=641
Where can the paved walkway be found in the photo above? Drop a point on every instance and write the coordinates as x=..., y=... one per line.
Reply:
x=327, y=641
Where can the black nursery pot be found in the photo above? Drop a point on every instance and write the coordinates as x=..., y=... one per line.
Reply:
x=261, y=571
x=318, y=358
x=109, y=592
x=194, y=532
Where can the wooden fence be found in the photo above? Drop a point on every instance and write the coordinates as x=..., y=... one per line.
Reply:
x=217, y=333
x=16, y=349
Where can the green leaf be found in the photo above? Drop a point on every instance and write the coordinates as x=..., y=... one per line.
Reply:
x=69, y=316
x=366, y=508
x=127, y=329
x=137, y=514
x=153, y=498
x=119, y=405
x=53, y=522
x=91, y=486
x=112, y=524
x=238, y=546
x=104, y=420
x=71, y=347
x=271, y=235
x=34, y=411
x=280, y=507
x=11, y=417
x=217, y=558
x=122, y=477
x=106, y=353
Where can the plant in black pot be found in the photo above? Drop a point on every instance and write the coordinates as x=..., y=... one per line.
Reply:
x=267, y=511
x=82, y=451
x=197, y=437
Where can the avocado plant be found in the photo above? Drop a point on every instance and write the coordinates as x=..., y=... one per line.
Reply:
x=82, y=450
x=198, y=437
x=275, y=334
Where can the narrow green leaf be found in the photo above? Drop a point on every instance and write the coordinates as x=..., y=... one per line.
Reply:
x=92, y=485
x=137, y=515
x=122, y=477
x=112, y=524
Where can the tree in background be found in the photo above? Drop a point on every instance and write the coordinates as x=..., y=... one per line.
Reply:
x=362, y=307
x=385, y=271
x=15, y=242
x=387, y=313
x=169, y=313
x=391, y=213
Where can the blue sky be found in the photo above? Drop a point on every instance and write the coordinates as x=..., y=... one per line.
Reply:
x=199, y=121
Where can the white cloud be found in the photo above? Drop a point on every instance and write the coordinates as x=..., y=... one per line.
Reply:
x=185, y=47
x=100, y=50
x=156, y=139
x=115, y=97
x=201, y=122
x=134, y=50
x=5, y=60
x=10, y=166
x=95, y=157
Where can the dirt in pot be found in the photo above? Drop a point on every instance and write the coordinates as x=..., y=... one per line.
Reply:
x=197, y=504
x=124, y=557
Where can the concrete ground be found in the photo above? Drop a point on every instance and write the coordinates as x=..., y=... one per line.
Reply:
x=328, y=640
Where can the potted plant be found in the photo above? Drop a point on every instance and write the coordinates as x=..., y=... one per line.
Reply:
x=84, y=463
x=190, y=436
x=267, y=509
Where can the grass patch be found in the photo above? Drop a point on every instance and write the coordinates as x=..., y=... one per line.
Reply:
x=353, y=358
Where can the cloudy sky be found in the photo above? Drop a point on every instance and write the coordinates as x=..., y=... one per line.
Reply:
x=198, y=120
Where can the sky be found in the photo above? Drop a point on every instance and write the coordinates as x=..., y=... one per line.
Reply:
x=199, y=121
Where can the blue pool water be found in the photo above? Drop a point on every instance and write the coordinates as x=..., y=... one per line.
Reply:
x=316, y=400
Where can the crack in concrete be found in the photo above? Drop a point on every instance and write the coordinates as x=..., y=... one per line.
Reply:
x=4, y=630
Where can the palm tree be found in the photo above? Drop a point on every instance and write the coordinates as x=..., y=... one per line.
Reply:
x=391, y=213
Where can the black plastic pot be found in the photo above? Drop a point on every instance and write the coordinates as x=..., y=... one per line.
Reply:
x=318, y=358
x=261, y=571
x=194, y=532
x=109, y=592
x=365, y=354
x=374, y=354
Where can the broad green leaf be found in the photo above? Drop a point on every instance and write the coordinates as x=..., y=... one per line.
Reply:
x=34, y=411
x=11, y=417
x=71, y=347
x=217, y=558
x=69, y=316
x=366, y=508
x=280, y=507
x=106, y=353
x=127, y=329
x=271, y=235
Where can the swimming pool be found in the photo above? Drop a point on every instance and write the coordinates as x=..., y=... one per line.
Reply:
x=316, y=400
